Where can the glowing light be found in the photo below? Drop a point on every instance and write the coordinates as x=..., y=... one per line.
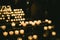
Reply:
x=3, y=27
x=12, y=20
x=8, y=17
x=35, y=36
x=30, y=37
x=49, y=21
x=33, y=24
x=16, y=32
x=24, y=24
x=30, y=22
x=11, y=32
x=45, y=28
x=46, y=20
x=9, y=8
x=7, y=20
x=20, y=9
x=38, y=22
x=20, y=16
x=35, y=21
x=27, y=22
x=11, y=12
x=5, y=33
x=50, y=27
x=13, y=24
x=2, y=15
x=53, y=33
x=19, y=38
x=23, y=19
x=3, y=18
x=21, y=31
x=22, y=12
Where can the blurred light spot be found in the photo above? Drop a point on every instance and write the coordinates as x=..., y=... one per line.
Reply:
x=21, y=31
x=45, y=28
x=13, y=24
x=16, y=32
x=35, y=36
x=3, y=27
x=53, y=33
x=5, y=33
x=19, y=38
x=30, y=37
x=11, y=32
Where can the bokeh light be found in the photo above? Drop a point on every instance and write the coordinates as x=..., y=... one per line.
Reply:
x=35, y=36
x=19, y=38
x=53, y=33
x=3, y=27
x=11, y=32
x=21, y=31
x=45, y=28
x=13, y=24
x=5, y=33
x=30, y=37
x=16, y=32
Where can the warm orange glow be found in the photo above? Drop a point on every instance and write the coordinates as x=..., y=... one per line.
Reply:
x=33, y=24
x=27, y=22
x=8, y=17
x=16, y=16
x=5, y=33
x=3, y=18
x=35, y=36
x=49, y=21
x=30, y=37
x=38, y=22
x=23, y=23
x=2, y=15
x=11, y=19
x=45, y=28
x=46, y=20
x=11, y=32
x=13, y=24
x=7, y=20
x=3, y=27
x=50, y=27
x=30, y=22
x=21, y=31
x=19, y=38
x=35, y=21
x=23, y=19
x=53, y=33
x=16, y=32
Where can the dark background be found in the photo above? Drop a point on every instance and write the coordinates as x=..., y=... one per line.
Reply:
x=38, y=9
